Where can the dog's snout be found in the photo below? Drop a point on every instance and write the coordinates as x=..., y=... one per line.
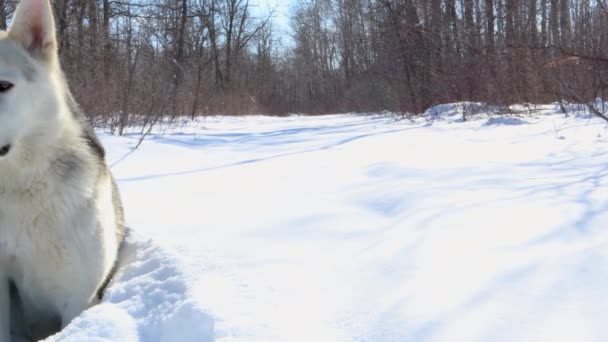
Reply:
x=4, y=150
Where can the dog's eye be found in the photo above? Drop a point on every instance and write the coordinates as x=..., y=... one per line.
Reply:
x=5, y=86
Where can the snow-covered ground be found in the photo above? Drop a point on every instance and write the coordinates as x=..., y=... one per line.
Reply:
x=361, y=228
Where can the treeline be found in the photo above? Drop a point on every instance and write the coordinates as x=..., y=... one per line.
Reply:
x=407, y=55
x=133, y=60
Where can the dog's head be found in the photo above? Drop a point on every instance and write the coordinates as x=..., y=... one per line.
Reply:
x=31, y=82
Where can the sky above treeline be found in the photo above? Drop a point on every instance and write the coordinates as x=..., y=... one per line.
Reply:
x=281, y=13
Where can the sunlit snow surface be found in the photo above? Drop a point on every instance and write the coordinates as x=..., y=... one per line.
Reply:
x=361, y=228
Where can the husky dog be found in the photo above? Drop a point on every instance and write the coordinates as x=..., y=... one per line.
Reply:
x=61, y=221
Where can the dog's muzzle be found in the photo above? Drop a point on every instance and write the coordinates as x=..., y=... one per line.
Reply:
x=4, y=150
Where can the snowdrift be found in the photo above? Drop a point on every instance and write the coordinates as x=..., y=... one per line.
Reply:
x=148, y=300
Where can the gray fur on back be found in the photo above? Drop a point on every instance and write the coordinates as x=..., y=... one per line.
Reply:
x=94, y=145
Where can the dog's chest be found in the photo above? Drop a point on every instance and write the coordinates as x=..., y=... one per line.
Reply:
x=35, y=222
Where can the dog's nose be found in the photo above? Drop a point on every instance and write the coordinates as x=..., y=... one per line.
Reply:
x=5, y=150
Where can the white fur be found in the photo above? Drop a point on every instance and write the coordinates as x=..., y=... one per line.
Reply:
x=57, y=238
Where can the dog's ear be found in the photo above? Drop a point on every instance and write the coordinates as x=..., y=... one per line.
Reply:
x=34, y=28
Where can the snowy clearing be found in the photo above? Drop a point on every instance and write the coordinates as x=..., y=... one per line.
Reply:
x=361, y=228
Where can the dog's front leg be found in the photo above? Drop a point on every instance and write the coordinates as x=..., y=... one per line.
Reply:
x=5, y=303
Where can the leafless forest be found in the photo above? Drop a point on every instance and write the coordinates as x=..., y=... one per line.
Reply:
x=132, y=60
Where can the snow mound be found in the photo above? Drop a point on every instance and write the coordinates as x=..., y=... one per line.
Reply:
x=505, y=121
x=579, y=110
x=149, y=300
x=453, y=112
x=104, y=322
